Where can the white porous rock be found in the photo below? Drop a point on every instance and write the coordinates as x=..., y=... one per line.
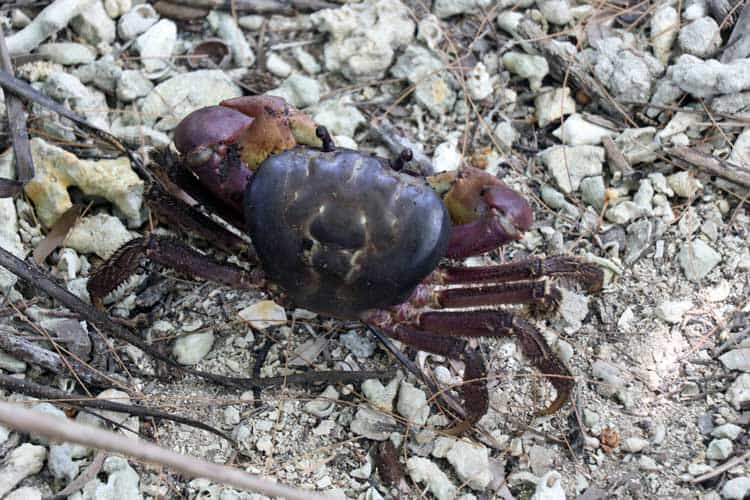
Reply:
x=278, y=66
x=426, y=471
x=736, y=359
x=673, y=311
x=479, y=82
x=549, y=487
x=24, y=493
x=22, y=462
x=576, y=131
x=298, y=90
x=434, y=86
x=190, y=349
x=739, y=392
x=701, y=38
x=634, y=444
x=568, y=165
x=339, y=117
x=264, y=314
x=49, y=21
x=551, y=105
x=57, y=170
x=506, y=134
x=736, y=489
x=430, y=31
x=64, y=87
x=307, y=61
x=665, y=24
x=627, y=73
x=638, y=145
x=155, y=47
x=741, y=151
x=727, y=431
x=9, y=237
x=100, y=234
x=94, y=25
x=226, y=27
x=323, y=405
x=709, y=78
x=556, y=11
x=182, y=94
x=697, y=259
x=116, y=8
x=131, y=85
x=447, y=157
x=364, y=36
x=122, y=483
x=683, y=184
x=471, y=463
x=448, y=8
x=67, y=53
x=136, y=21
x=379, y=395
x=719, y=449
x=412, y=404
x=374, y=425
x=509, y=21
x=534, y=68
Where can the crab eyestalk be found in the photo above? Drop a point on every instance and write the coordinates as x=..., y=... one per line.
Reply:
x=486, y=213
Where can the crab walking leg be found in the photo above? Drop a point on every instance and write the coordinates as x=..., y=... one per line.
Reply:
x=503, y=324
x=589, y=275
x=473, y=390
x=168, y=252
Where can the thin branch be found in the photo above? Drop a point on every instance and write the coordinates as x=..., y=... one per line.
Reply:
x=722, y=468
x=16, y=122
x=712, y=165
x=38, y=423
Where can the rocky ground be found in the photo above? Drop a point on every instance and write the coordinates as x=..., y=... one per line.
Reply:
x=626, y=124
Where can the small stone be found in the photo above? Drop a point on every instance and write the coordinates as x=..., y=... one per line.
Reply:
x=430, y=32
x=638, y=240
x=339, y=117
x=574, y=307
x=739, y=392
x=359, y=344
x=94, y=25
x=323, y=405
x=553, y=104
x=737, y=488
x=741, y=150
x=60, y=462
x=705, y=423
x=225, y=25
x=736, y=359
x=232, y=416
x=634, y=444
x=379, y=395
x=412, y=404
x=535, y=68
x=576, y=131
x=191, y=349
x=719, y=449
x=727, y=431
x=447, y=157
x=136, y=21
x=673, y=311
x=122, y=482
x=701, y=38
x=665, y=24
x=307, y=61
x=549, y=487
x=298, y=90
x=568, y=165
x=100, y=234
x=373, y=425
x=116, y=8
x=425, y=471
x=556, y=11
x=506, y=134
x=644, y=197
x=698, y=469
x=67, y=53
x=22, y=462
x=638, y=145
x=683, y=184
x=131, y=85
x=479, y=83
x=448, y=8
x=156, y=46
x=264, y=314
x=471, y=463
x=627, y=73
x=24, y=493
x=697, y=259
x=540, y=459
x=623, y=212
x=610, y=375
x=648, y=464
x=278, y=66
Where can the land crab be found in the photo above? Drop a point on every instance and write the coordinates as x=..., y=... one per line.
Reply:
x=352, y=236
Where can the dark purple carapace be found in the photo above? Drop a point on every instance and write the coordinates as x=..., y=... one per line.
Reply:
x=341, y=232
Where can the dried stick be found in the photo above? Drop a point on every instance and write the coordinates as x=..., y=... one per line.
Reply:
x=16, y=122
x=283, y=7
x=722, y=468
x=38, y=423
x=714, y=166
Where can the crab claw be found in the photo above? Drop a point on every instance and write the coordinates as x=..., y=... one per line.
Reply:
x=222, y=145
x=486, y=213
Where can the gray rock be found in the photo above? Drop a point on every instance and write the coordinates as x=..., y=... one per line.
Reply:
x=379, y=395
x=22, y=462
x=576, y=131
x=708, y=78
x=634, y=444
x=568, y=165
x=638, y=240
x=100, y=234
x=433, y=84
x=373, y=425
x=684, y=184
x=136, y=21
x=8, y=362
x=737, y=488
x=226, y=27
x=623, y=212
x=665, y=24
x=131, y=85
x=137, y=134
x=430, y=32
x=94, y=25
x=479, y=83
x=67, y=53
x=359, y=344
x=192, y=348
x=103, y=73
x=412, y=404
x=739, y=392
x=298, y=90
x=173, y=99
x=471, y=463
x=339, y=117
x=741, y=150
x=506, y=134
x=627, y=73
x=549, y=487
x=673, y=311
x=60, y=462
x=556, y=11
x=610, y=375
x=643, y=199
x=9, y=238
x=552, y=104
x=697, y=259
x=638, y=145
x=155, y=47
x=541, y=459
x=24, y=493
x=648, y=464
x=425, y=471
x=49, y=21
x=701, y=38
x=574, y=307
x=448, y=8
x=719, y=449
x=727, y=431
x=556, y=200
x=307, y=61
x=532, y=67
x=323, y=405
x=736, y=359
x=64, y=87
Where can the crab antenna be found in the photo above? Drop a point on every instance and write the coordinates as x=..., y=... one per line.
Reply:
x=324, y=136
x=404, y=158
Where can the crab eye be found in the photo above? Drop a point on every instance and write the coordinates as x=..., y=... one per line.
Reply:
x=198, y=157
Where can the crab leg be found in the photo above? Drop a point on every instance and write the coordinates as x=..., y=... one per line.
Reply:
x=170, y=253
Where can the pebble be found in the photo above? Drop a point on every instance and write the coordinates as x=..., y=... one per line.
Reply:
x=131, y=85
x=683, y=184
x=429, y=31
x=373, y=424
x=665, y=24
x=103, y=73
x=446, y=157
x=719, y=449
x=24, y=493
x=634, y=444
x=740, y=154
x=225, y=25
x=9, y=238
x=698, y=469
x=697, y=259
x=122, y=482
x=323, y=405
x=307, y=61
x=673, y=311
x=94, y=25
x=552, y=104
x=574, y=307
x=737, y=488
x=471, y=463
x=264, y=314
x=568, y=165
x=736, y=359
x=58, y=170
x=708, y=78
x=379, y=395
x=701, y=38
x=638, y=145
x=65, y=87
x=623, y=212
x=412, y=404
x=644, y=197
x=739, y=392
x=638, y=240
x=67, y=53
x=610, y=375
x=534, y=68
x=116, y=8
x=155, y=47
x=506, y=134
x=22, y=462
x=425, y=471
x=727, y=431
x=49, y=21
x=192, y=348
x=541, y=459
x=100, y=234
x=479, y=83
x=298, y=90
x=556, y=11
x=358, y=343
x=339, y=117
x=626, y=72
x=448, y=8
x=549, y=487
x=648, y=464
x=136, y=21
x=575, y=131
x=60, y=462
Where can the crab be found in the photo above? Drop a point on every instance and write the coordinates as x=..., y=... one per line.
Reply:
x=351, y=235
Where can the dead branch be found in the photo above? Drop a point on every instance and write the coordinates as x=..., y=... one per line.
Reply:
x=17, y=122
x=712, y=165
